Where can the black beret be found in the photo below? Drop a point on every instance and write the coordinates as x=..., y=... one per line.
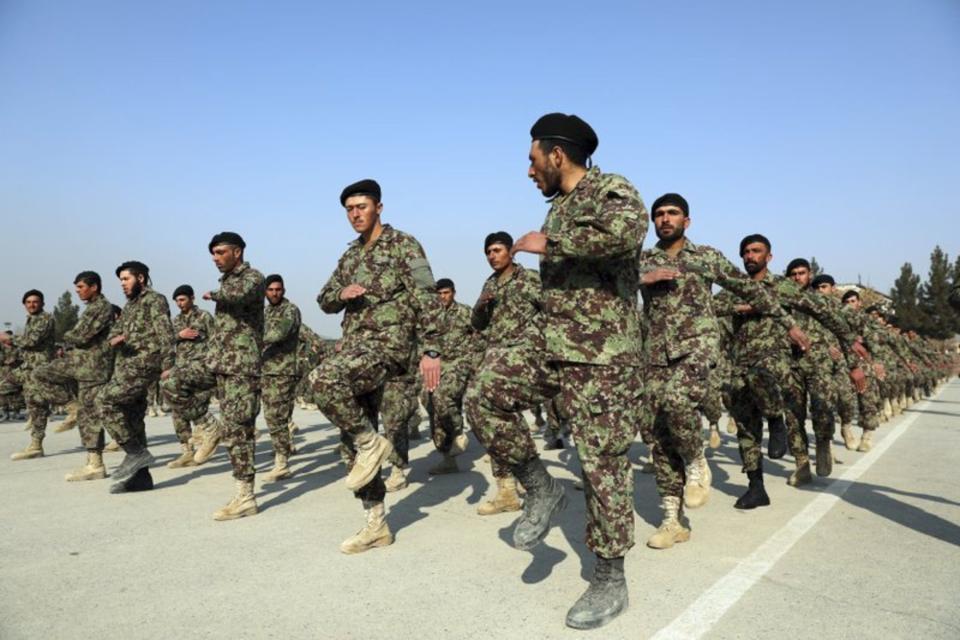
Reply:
x=675, y=199
x=135, y=266
x=560, y=126
x=498, y=237
x=273, y=277
x=753, y=238
x=32, y=292
x=445, y=283
x=796, y=263
x=366, y=187
x=227, y=237
x=823, y=279
x=183, y=290
x=852, y=293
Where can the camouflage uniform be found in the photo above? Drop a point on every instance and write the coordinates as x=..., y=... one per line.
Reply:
x=145, y=353
x=191, y=408
x=398, y=404
x=868, y=402
x=461, y=357
x=11, y=391
x=281, y=339
x=513, y=374
x=310, y=351
x=83, y=371
x=380, y=330
x=232, y=364
x=682, y=349
x=34, y=348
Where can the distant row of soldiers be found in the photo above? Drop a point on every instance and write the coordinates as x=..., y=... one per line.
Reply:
x=570, y=338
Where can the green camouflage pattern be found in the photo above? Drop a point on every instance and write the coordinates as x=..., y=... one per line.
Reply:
x=89, y=353
x=237, y=341
x=281, y=340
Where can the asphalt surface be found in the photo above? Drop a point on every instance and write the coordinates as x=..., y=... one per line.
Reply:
x=872, y=552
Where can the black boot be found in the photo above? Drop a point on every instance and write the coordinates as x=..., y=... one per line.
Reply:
x=756, y=495
x=545, y=498
x=137, y=458
x=777, y=444
x=553, y=444
x=141, y=481
x=604, y=599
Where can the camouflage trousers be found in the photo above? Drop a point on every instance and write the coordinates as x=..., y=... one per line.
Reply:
x=869, y=403
x=123, y=403
x=187, y=408
x=811, y=381
x=557, y=425
x=57, y=384
x=601, y=402
x=713, y=402
x=19, y=382
x=239, y=398
x=278, y=393
x=398, y=405
x=348, y=388
x=755, y=394
x=673, y=395
x=844, y=394
x=445, y=403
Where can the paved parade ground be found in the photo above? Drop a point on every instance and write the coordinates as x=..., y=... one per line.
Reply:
x=872, y=552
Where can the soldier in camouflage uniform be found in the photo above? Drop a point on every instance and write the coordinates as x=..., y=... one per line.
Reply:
x=398, y=404
x=232, y=367
x=445, y=403
x=589, y=245
x=193, y=328
x=508, y=317
x=144, y=344
x=812, y=379
x=680, y=352
x=385, y=288
x=83, y=371
x=869, y=405
x=281, y=339
x=11, y=393
x=34, y=348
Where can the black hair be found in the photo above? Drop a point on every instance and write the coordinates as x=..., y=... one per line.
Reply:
x=274, y=277
x=850, y=294
x=574, y=153
x=89, y=278
x=754, y=238
x=136, y=268
x=32, y=292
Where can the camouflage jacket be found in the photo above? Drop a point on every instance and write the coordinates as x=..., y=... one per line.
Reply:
x=145, y=323
x=37, y=342
x=828, y=327
x=400, y=306
x=90, y=355
x=281, y=338
x=311, y=350
x=237, y=340
x=589, y=272
x=513, y=315
x=193, y=350
x=679, y=314
x=759, y=336
x=460, y=340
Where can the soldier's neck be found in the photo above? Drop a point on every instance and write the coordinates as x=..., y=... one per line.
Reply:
x=371, y=236
x=673, y=247
x=503, y=275
x=759, y=275
x=570, y=181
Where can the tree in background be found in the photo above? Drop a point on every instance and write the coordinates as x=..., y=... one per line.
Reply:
x=938, y=318
x=65, y=315
x=815, y=268
x=906, y=299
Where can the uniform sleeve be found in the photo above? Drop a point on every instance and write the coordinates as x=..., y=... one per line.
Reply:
x=616, y=226
x=329, y=297
x=282, y=325
x=820, y=308
x=243, y=291
x=418, y=279
x=726, y=275
x=724, y=304
x=93, y=322
x=36, y=333
x=480, y=317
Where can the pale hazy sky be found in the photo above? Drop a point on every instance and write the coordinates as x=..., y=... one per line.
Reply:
x=138, y=130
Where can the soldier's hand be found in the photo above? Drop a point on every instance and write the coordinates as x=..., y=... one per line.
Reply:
x=351, y=292
x=799, y=338
x=659, y=275
x=835, y=353
x=880, y=370
x=5, y=339
x=189, y=334
x=165, y=374
x=486, y=299
x=531, y=242
x=743, y=308
x=117, y=340
x=208, y=295
x=430, y=370
x=860, y=350
x=859, y=379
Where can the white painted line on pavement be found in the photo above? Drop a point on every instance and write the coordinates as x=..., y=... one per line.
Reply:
x=706, y=610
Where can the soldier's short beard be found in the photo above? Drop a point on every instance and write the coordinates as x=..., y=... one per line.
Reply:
x=136, y=291
x=752, y=267
x=676, y=235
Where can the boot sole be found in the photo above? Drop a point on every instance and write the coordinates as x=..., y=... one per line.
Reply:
x=375, y=545
x=596, y=623
x=357, y=483
x=31, y=456
x=87, y=477
x=678, y=539
x=219, y=517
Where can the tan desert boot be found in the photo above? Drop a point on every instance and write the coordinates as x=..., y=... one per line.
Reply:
x=696, y=491
x=372, y=451
x=93, y=470
x=801, y=475
x=33, y=450
x=281, y=469
x=71, y=420
x=866, y=441
x=242, y=505
x=375, y=534
x=714, y=442
x=849, y=441
x=185, y=459
x=671, y=529
x=505, y=500
x=397, y=480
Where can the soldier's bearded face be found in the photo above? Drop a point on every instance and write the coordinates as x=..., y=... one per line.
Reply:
x=498, y=257
x=363, y=213
x=275, y=293
x=670, y=222
x=544, y=171
x=755, y=256
x=184, y=303
x=446, y=296
x=33, y=305
x=800, y=275
x=226, y=257
x=131, y=284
